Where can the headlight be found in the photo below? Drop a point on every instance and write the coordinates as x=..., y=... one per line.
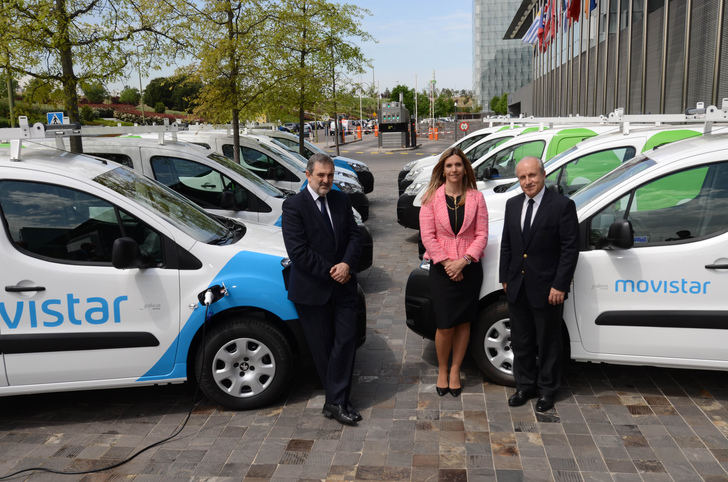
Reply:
x=413, y=174
x=349, y=188
x=360, y=167
x=347, y=173
x=409, y=165
x=414, y=188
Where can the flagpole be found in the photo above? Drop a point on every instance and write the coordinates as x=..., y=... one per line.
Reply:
x=581, y=50
x=616, y=55
x=570, y=70
x=606, y=58
x=586, y=64
x=628, y=100
x=718, y=44
x=686, y=59
x=663, y=80
x=596, y=60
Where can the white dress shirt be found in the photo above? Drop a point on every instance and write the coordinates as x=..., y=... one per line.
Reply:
x=536, y=203
x=317, y=200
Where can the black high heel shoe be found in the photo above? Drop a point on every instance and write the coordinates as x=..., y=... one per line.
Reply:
x=455, y=392
x=442, y=391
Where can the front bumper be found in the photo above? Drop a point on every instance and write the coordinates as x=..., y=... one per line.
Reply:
x=408, y=215
x=403, y=185
x=418, y=304
x=360, y=202
x=366, y=179
x=367, y=249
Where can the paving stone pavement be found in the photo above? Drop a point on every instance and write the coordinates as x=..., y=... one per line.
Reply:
x=610, y=423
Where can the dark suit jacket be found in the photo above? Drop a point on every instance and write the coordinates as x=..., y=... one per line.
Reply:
x=548, y=258
x=313, y=251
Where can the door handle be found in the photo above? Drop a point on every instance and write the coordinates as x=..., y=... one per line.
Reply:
x=20, y=289
x=716, y=266
x=208, y=185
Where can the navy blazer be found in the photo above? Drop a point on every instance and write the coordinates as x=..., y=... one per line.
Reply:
x=312, y=249
x=548, y=258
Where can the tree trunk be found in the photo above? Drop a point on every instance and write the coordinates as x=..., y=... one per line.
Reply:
x=11, y=93
x=234, y=73
x=68, y=78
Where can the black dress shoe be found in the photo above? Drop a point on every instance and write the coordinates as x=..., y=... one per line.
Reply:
x=442, y=391
x=544, y=403
x=353, y=412
x=521, y=397
x=338, y=412
x=455, y=392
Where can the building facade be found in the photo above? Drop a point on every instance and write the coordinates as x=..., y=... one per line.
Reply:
x=646, y=56
x=499, y=66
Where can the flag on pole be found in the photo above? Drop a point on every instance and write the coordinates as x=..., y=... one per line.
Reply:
x=589, y=5
x=532, y=35
x=574, y=11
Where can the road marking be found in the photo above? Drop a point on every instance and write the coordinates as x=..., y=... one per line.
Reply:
x=360, y=152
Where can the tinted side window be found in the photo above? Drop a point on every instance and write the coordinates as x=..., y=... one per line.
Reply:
x=265, y=166
x=689, y=204
x=586, y=169
x=66, y=225
x=505, y=161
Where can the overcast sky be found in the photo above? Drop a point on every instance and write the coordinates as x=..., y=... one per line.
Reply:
x=414, y=38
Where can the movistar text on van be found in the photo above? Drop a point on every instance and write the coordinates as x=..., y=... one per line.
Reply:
x=661, y=286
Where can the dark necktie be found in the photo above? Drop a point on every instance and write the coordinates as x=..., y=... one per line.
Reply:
x=325, y=214
x=527, y=221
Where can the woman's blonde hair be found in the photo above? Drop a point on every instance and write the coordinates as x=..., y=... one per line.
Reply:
x=438, y=175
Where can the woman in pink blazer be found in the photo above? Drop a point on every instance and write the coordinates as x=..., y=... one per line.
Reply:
x=454, y=230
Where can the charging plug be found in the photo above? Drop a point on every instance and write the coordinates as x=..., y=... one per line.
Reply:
x=212, y=294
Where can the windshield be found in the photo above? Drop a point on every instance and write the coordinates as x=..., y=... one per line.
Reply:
x=614, y=178
x=288, y=150
x=269, y=188
x=556, y=158
x=283, y=156
x=178, y=211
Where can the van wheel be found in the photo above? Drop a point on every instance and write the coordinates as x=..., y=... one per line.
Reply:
x=244, y=364
x=490, y=343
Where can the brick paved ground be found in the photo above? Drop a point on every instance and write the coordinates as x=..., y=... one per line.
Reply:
x=610, y=423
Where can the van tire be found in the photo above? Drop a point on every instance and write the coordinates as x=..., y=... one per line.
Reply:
x=490, y=343
x=244, y=363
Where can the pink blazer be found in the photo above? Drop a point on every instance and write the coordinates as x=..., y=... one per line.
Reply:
x=437, y=235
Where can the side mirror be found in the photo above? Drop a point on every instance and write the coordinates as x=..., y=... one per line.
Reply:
x=490, y=173
x=125, y=253
x=621, y=234
x=227, y=200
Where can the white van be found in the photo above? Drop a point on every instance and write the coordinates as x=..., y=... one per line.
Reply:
x=206, y=178
x=104, y=273
x=650, y=283
x=276, y=164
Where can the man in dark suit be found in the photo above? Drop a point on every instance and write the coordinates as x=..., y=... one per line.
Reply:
x=323, y=244
x=539, y=251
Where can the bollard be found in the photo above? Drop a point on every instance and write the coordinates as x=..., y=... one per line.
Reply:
x=358, y=132
x=376, y=130
x=435, y=133
x=429, y=133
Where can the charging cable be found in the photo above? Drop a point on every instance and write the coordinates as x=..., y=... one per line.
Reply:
x=207, y=297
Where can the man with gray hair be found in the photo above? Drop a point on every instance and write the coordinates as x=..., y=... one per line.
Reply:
x=539, y=251
x=323, y=243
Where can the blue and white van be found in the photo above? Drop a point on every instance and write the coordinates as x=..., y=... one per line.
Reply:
x=103, y=270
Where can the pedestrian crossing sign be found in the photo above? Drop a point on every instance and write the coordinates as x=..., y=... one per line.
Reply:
x=55, y=118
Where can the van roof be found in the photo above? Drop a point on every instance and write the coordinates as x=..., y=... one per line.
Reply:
x=57, y=161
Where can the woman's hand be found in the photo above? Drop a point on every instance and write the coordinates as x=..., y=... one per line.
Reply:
x=454, y=268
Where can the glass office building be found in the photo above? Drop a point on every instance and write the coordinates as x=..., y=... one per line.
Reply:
x=499, y=66
x=646, y=56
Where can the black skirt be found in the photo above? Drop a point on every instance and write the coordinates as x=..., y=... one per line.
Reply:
x=455, y=302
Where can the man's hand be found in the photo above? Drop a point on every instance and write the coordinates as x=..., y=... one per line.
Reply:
x=340, y=273
x=556, y=297
x=505, y=287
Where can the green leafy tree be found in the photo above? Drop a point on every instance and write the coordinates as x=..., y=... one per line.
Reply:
x=160, y=108
x=40, y=91
x=229, y=41
x=73, y=41
x=317, y=40
x=130, y=95
x=408, y=97
x=444, y=105
x=494, y=104
x=156, y=91
x=503, y=104
x=94, y=91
